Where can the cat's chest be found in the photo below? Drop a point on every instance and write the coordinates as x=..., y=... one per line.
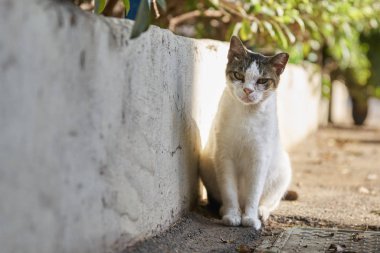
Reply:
x=248, y=124
x=247, y=132
x=250, y=139
x=240, y=129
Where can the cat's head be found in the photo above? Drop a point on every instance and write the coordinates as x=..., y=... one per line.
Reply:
x=252, y=77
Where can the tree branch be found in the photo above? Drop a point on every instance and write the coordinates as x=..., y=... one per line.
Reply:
x=175, y=21
x=156, y=9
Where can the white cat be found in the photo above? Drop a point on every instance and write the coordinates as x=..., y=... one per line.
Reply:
x=243, y=165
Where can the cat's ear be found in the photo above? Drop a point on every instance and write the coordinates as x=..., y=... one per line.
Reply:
x=279, y=62
x=237, y=50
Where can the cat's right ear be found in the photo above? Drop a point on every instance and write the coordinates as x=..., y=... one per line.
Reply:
x=279, y=62
x=237, y=50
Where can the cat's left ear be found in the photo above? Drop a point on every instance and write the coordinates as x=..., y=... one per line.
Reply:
x=279, y=62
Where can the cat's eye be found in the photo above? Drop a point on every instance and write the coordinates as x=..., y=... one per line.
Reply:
x=238, y=76
x=262, y=81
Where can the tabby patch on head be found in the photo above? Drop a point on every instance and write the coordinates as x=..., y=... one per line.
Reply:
x=252, y=77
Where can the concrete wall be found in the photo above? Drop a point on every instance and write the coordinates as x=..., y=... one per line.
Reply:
x=100, y=135
x=97, y=139
x=341, y=106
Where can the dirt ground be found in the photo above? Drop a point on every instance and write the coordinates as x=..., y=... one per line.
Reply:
x=336, y=174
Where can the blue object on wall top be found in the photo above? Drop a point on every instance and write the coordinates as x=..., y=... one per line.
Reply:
x=133, y=10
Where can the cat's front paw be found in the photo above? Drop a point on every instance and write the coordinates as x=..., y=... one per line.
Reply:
x=249, y=221
x=231, y=220
x=263, y=213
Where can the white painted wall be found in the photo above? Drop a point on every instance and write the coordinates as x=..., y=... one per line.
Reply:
x=100, y=135
x=341, y=106
x=373, y=118
x=97, y=137
x=299, y=98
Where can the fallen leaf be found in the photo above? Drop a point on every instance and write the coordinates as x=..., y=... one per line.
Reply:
x=244, y=249
x=357, y=237
x=226, y=241
x=355, y=153
x=325, y=236
x=340, y=143
x=336, y=248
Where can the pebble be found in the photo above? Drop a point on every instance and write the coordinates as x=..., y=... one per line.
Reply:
x=372, y=177
x=364, y=190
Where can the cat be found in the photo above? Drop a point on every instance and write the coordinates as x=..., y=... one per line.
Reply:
x=243, y=165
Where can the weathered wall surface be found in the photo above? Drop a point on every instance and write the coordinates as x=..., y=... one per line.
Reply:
x=100, y=135
x=97, y=139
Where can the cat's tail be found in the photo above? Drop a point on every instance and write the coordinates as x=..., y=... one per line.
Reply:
x=208, y=177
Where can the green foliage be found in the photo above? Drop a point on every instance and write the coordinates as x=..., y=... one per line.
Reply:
x=371, y=40
x=305, y=27
x=127, y=6
x=100, y=5
x=142, y=19
x=326, y=86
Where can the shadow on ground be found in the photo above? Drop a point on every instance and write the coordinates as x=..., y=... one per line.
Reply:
x=198, y=233
x=337, y=178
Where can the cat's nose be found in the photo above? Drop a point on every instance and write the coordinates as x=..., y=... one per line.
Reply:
x=247, y=91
